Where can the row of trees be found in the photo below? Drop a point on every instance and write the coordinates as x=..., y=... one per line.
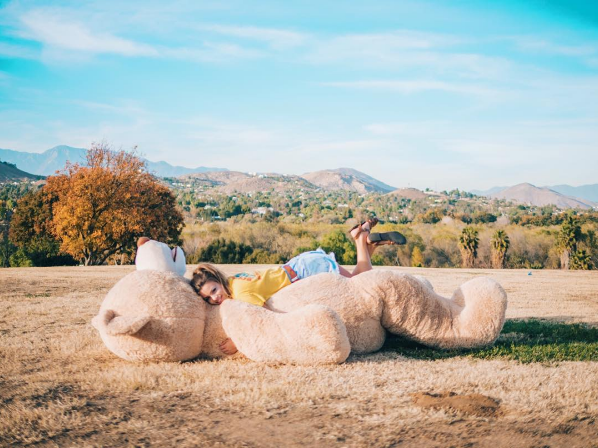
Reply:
x=572, y=256
x=468, y=245
x=427, y=245
x=91, y=214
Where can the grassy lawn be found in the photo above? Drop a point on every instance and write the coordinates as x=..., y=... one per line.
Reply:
x=532, y=340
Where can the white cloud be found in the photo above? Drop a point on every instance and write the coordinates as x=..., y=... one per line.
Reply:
x=406, y=128
x=123, y=107
x=407, y=49
x=17, y=51
x=54, y=31
x=215, y=52
x=411, y=87
x=276, y=38
x=68, y=36
x=533, y=44
x=385, y=43
x=232, y=137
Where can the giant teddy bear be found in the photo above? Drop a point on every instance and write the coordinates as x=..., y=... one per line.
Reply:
x=154, y=315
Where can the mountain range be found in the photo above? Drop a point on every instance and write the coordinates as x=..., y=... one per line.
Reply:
x=225, y=181
x=54, y=159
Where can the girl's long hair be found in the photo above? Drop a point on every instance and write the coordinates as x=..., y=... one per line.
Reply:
x=205, y=272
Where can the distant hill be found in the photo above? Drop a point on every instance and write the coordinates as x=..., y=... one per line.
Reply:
x=346, y=179
x=54, y=159
x=588, y=192
x=10, y=173
x=529, y=194
x=409, y=193
x=229, y=182
x=331, y=180
x=488, y=192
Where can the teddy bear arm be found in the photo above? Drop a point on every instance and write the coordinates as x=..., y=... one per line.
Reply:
x=313, y=334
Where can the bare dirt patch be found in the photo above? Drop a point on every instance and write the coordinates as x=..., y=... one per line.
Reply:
x=59, y=386
x=471, y=404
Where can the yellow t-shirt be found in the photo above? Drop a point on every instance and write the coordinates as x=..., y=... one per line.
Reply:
x=258, y=287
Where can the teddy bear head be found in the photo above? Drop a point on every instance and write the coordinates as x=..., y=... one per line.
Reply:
x=150, y=315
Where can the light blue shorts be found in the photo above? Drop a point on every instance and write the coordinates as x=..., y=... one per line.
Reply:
x=312, y=263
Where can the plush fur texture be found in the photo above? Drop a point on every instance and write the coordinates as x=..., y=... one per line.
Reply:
x=155, y=315
x=157, y=256
x=378, y=301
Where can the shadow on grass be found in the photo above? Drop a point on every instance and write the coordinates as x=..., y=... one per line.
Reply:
x=522, y=340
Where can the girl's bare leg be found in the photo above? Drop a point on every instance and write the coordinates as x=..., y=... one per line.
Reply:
x=364, y=261
x=344, y=272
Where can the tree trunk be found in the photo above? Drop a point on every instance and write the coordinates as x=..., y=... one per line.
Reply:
x=498, y=260
x=565, y=257
x=467, y=258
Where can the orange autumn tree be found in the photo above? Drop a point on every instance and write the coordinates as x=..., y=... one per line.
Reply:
x=102, y=207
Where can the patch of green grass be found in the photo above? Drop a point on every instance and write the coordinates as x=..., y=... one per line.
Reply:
x=522, y=340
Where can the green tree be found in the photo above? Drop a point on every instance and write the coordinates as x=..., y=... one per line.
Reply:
x=483, y=217
x=500, y=244
x=468, y=245
x=31, y=231
x=221, y=251
x=581, y=260
x=338, y=242
x=567, y=240
x=6, y=248
x=260, y=256
x=432, y=216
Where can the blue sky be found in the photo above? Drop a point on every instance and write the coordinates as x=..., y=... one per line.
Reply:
x=438, y=94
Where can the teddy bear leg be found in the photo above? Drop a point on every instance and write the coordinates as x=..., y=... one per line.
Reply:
x=472, y=318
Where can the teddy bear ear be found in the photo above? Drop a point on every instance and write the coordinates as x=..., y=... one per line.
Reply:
x=112, y=324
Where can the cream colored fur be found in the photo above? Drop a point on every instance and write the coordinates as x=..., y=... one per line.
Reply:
x=382, y=300
x=156, y=316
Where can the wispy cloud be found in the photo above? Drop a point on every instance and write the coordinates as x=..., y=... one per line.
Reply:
x=275, y=38
x=411, y=87
x=420, y=128
x=216, y=134
x=122, y=107
x=55, y=32
x=534, y=44
x=65, y=35
x=215, y=52
x=405, y=49
x=17, y=51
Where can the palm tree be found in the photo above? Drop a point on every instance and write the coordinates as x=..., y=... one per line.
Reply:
x=468, y=245
x=567, y=239
x=500, y=244
x=581, y=260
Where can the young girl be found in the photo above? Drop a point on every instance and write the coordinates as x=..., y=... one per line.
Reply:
x=214, y=287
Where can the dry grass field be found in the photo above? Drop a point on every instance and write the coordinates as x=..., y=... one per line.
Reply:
x=59, y=385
